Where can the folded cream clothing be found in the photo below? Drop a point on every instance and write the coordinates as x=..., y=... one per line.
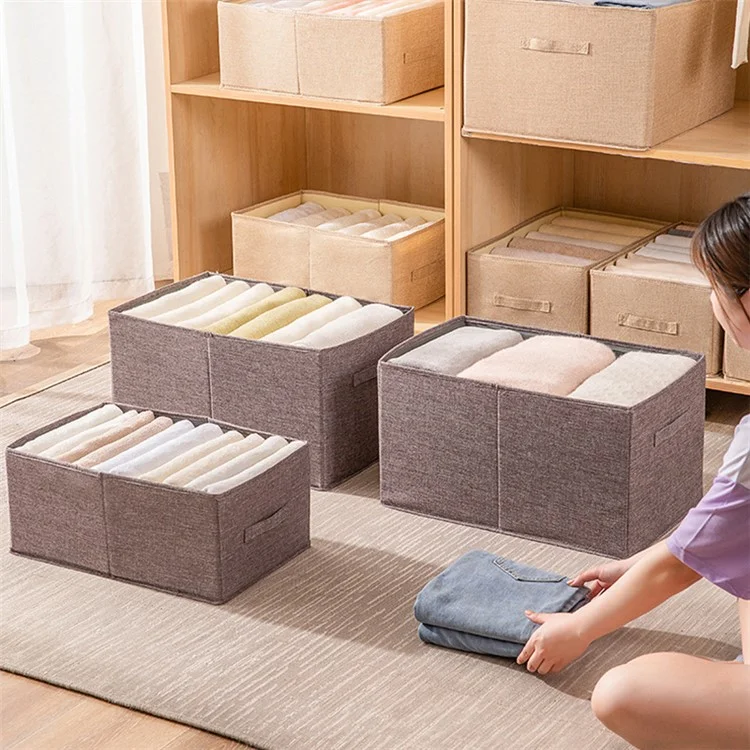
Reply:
x=75, y=439
x=357, y=230
x=674, y=240
x=399, y=227
x=94, y=418
x=279, y=317
x=290, y=214
x=351, y=326
x=128, y=441
x=156, y=457
x=411, y=230
x=586, y=234
x=662, y=252
x=609, y=227
x=189, y=458
x=232, y=322
x=634, y=265
x=155, y=441
x=358, y=217
x=741, y=33
x=321, y=217
x=255, y=294
x=254, y=471
x=313, y=320
x=213, y=460
x=556, y=248
x=239, y=464
x=205, y=304
x=633, y=378
x=556, y=365
x=542, y=256
x=608, y=246
x=180, y=298
x=458, y=349
x=112, y=435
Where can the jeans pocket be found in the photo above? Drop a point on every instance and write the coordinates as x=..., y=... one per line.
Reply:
x=525, y=573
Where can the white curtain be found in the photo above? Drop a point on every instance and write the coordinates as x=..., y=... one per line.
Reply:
x=83, y=159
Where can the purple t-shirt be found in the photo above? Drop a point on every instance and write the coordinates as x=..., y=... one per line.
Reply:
x=714, y=537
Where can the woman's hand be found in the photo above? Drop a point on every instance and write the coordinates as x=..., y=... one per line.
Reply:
x=603, y=576
x=554, y=645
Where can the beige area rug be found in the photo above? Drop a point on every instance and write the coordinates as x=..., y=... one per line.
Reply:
x=323, y=654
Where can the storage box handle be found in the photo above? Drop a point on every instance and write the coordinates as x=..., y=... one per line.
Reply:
x=425, y=271
x=628, y=320
x=521, y=303
x=420, y=54
x=556, y=45
x=266, y=524
x=669, y=430
x=365, y=376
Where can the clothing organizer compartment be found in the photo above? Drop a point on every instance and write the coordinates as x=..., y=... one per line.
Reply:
x=622, y=77
x=407, y=271
x=540, y=466
x=327, y=397
x=322, y=54
x=543, y=293
x=200, y=545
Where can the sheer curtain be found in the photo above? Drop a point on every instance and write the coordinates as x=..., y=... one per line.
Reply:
x=82, y=161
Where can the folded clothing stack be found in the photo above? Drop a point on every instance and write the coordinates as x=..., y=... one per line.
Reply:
x=287, y=316
x=157, y=449
x=478, y=604
x=349, y=8
x=367, y=223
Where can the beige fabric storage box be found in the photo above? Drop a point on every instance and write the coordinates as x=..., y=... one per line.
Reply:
x=736, y=360
x=622, y=77
x=327, y=397
x=656, y=312
x=408, y=271
x=196, y=544
x=376, y=60
x=527, y=292
x=605, y=478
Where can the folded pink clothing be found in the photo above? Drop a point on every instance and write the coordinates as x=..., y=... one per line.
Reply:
x=557, y=248
x=545, y=364
x=609, y=227
x=593, y=244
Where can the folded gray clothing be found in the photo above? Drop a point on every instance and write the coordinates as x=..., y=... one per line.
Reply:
x=478, y=603
x=678, y=232
x=456, y=350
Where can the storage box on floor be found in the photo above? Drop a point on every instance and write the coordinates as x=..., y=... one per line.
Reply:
x=663, y=312
x=314, y=53
x=205, y=546
x=595, y=476
x=627, y=77
x=541, y=292
x=408, y=271
x=327, y=397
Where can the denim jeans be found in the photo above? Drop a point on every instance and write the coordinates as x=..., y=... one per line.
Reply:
x=477, y=603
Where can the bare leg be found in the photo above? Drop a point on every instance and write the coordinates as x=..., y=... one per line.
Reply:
x=676, y=702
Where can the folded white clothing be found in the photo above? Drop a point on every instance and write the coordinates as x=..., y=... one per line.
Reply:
x=351, y=326
x=94, y=418
x=633, y=378
x=239, y=464
x=359, y=229
x=290, y=214
x=219, y=457
x=612, y=248
x=400, y=227
x=205, y=304
x=155, y=441
x=321, y=217
x=218, y=487
x=410, y=230
x=68, y=444
x=189, y=458
x=633, y=265
x=674, y=240
x=358, y=217
x=180, y=298
x=313, y=321
x=156, y=457
x=256, y=293
x=663, y=252
x=595, y=225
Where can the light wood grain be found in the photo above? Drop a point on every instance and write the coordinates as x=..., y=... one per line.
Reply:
x=431, y=315
x=191, y=33
x=728, y=385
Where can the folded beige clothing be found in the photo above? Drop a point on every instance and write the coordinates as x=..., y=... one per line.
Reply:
x=586, y=234
x=313, y=320
x=321, y=217
x=610, y=227
x=171, y=301
x=279, y=317
x=351, y=326
x=128, y=441
x=205, y=304
x=608, y=246
x=290, y=214
x=633, y=265
x=359, y=217
x=232, y=322
x=663, y=252
x=674, y=240
x=94, y=418
x=390, y=230
x=357, y=230
x=76, y=438
x=545, y=364
x=256, y=293
x=542, y=256
x=557, y=248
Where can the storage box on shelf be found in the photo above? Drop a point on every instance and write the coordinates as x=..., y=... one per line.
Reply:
x=327, y=397
x=538, y=465
x=407, y=270
x=367, y=58
x=531, y=290
x=622, y=77
x=736, y=361
x=201, y=545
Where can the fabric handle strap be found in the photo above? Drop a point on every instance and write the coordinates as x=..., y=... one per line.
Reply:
x=628, y=320
x=668, y=431
x=425, y=271
x=266, y=524
x=365, y=376
x=556, y=45
x=521, y=303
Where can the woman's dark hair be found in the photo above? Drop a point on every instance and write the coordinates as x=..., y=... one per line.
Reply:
x=721, y=246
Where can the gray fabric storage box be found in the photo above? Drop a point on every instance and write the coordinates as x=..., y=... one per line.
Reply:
x=599, y=477
x=203, y=546
x=327, y=397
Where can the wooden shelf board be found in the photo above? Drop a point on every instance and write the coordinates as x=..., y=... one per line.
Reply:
x=427, y=106
x=721, y=142
x=430, y=315
x=718, y=383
